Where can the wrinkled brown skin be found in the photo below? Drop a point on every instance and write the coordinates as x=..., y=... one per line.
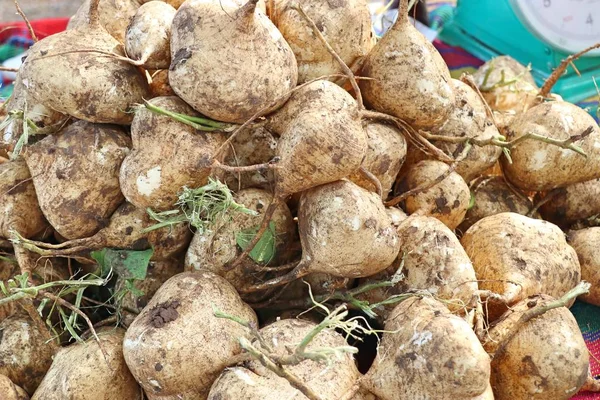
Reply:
x=167, y=155
x=434, y=261
x=428, y=354
x=212, y=251
x=586, y=243
x=25, y=356
x=346, y=25
x=148, y=35
x=331, y=381
x=546, y=359
x=82, y=371
x=345, y=231
x=260, y=66
x=410, y=80
x=573, y=203
x=158, y=273
x=250, y=147
x=115, y=15
x=10, y=391
x=385, y=154
x=76, y=176
x=321, y=138
x=447, y=201
x=517, y=96
x=160, y=84
x=41, y=116
x=176, y=346
x=83, y=84
x=20, y=209
x=493, y=196
x=541, y=166
x=517, y=256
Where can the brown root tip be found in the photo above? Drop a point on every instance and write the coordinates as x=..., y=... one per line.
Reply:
x=591, y=385
x=402, y=11
x=297, y=273
x=248, y=8
x=94, y=13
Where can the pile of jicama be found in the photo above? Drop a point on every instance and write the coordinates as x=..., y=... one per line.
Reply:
x=249, y=199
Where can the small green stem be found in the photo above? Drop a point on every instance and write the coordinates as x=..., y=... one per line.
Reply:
x=201, y=124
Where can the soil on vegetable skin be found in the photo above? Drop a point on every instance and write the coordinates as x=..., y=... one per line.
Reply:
x=164, y=313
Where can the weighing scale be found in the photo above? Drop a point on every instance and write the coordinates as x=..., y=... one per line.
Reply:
x=537, y=32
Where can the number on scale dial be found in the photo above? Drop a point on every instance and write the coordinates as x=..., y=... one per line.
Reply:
x=569, y=25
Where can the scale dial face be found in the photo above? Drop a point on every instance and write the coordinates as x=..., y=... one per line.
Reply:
x=568, y=25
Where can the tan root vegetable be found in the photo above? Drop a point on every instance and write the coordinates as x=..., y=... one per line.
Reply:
x=345, y=25
x=177, y=346
x=396, y=215
x=254, y=70
x=76, y=176
x=447, y=200
x=20, y=209
x=434, y=261
x=546, y=359
x=492, y=195
x=10, y=391
x=506, y=84
x=65, y=72
x=24, y=352
x=177, y=3
x=516, y=256
x=249, y=147
x=540, y=166
x=149, y=34
x=167, y=155
x=90, y=371
x=586, y=243
x=410, y=80
x=385, y=154
x=115, y=15
x=428, y=353
x=345, y=232
x=257, y=382
x=572, y=203
x=212, y=251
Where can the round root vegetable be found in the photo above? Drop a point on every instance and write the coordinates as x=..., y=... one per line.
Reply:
x=177, y=3
x=345, y=25
x=212, y=251
x=10, y=391
x=516, y=256
x=76, y=176
x=149, y=34
x=385, y=154
x=177, y=347
x=345, y=232
x=254, y=71
x=433, y=261
x=115, y=15
x=89, y=371
x=447, y=200
x=19, y=208
x=537, y=165
x=158, y=273
x=547, y=358
x=126, y=230
x=572, y=203
x=409, y=78
x=586, y=243
x=330, y=380
x=428, y=353
x=167, y=155
x=506, y=84
x=492, y=195
x=250, y=147
x=25, y=356
x=469, y=118
x=66, y=72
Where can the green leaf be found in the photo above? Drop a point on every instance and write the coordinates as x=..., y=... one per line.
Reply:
x=264, y=251
x=129, y=264
x=130, y=286
x=471, y=201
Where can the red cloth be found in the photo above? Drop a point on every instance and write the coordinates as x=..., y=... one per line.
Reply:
x=41, y=27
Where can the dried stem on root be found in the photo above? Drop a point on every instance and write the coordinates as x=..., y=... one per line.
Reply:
x=29, y=27
x=373, y=179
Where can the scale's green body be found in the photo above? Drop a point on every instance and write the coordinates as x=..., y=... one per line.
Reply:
x=487, y=28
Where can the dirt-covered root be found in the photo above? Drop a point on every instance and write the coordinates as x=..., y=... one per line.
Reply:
x=10, y=391
x=182, y=313
x=571, y=204
x=115, y=16
x=90, y=371
x=586, y=243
